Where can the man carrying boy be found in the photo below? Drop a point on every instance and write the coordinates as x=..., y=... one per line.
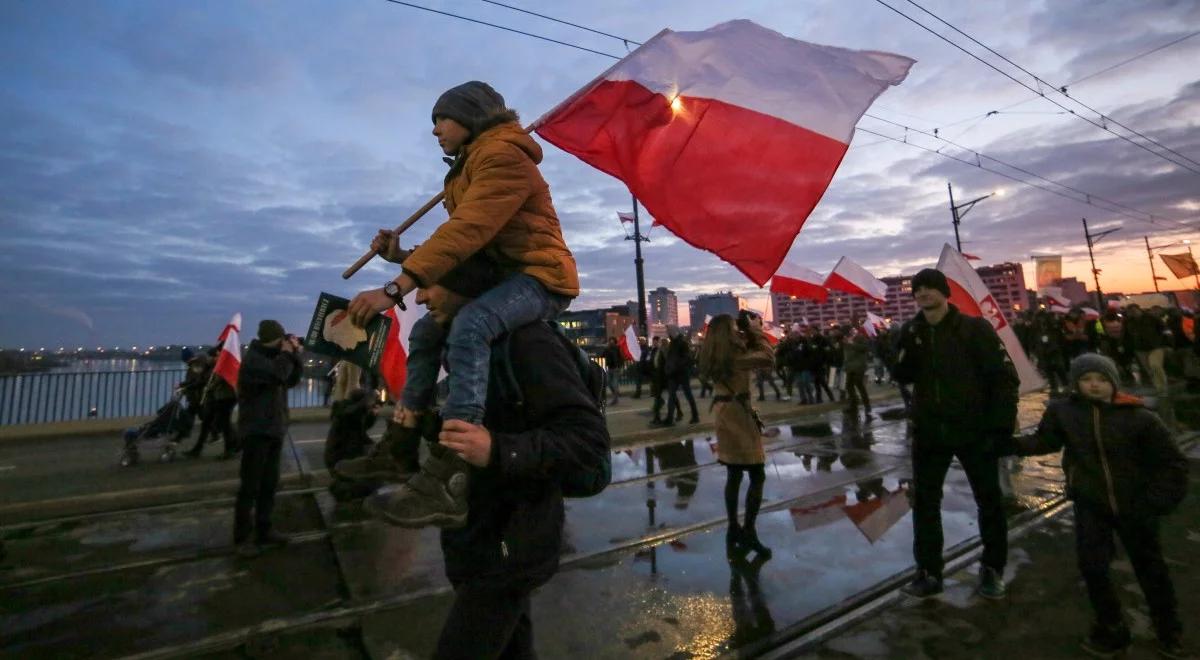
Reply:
x=1124, y=472
x=518, y=458
x=499, y=205
x=964, y=400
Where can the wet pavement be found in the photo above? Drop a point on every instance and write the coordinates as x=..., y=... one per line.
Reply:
x=644, y=570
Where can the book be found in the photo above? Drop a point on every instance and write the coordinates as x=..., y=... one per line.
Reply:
x=331, y=333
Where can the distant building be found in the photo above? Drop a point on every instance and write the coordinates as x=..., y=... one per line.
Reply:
x=1005, y=281
x=712, y=304
x=591, y=328
x=632, y=310
x=664, y=306
x=1075, y=291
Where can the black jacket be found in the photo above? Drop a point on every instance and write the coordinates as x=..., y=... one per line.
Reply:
x=1144, y=332
x=514, y=529
x=679, y=358
x=613, y=359
x=1118, y=456
x=348, y=438
x=965, y=388
x=265, y=376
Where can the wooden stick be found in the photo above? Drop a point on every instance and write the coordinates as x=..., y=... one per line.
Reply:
x=370, y=254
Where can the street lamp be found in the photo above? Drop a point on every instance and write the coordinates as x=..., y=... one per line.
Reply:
x=1150, y=253
x=957, y=211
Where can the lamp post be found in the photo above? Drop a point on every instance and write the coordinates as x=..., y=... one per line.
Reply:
x=1150, y=253
x=1092, y=239
x=957, y=211
x=638, y=239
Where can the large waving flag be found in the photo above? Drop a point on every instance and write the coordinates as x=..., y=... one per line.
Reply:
x=229, y=361
x=1181, y=265
x=800, y=282
x=849, y=277
x=630, y=347
x=971, y=296
x=728, y=136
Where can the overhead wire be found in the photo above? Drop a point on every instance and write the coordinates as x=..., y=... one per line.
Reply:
x=1088, y=197
x=1104, y=119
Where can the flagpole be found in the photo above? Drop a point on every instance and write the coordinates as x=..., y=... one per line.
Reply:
x=637, y=263
x=1150, y=254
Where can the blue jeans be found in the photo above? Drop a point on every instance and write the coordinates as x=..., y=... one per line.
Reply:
x=517, y=301
x=803, y=380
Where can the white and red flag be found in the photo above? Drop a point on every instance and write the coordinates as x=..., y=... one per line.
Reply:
x=873, y=324
x=729, y=136
x=394, y=359
x=229, y=361
x=773, y=333
x=800, y=282
x=630, y=347
x=971, y=296
x=1054, y=295
x=851, y=278
x=624, y=217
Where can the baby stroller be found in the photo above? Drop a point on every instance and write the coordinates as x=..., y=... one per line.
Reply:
x=172, y=421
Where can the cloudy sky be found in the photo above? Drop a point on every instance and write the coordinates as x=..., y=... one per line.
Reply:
x=164, y=165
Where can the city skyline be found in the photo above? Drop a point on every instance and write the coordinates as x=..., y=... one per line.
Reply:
x=168, y=165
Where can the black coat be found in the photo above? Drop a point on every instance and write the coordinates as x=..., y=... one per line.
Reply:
x=348, y=437
x=1144, y=332
x=965, y=388
x=1118, y=456
x=679, y=358
x=264, y=378
x=514, y=529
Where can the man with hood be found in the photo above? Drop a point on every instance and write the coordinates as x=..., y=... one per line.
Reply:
x=270, y=367
x=499, y=205
x=965, y=392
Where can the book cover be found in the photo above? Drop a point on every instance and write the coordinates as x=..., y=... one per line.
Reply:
x=331, y=333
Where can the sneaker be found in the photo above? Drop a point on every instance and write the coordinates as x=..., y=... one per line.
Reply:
x=1105, y=642
x=272, y=539
x=247, y=549
x=924, y=585
x=991, y=583
x=785, y=398
x=436, y=496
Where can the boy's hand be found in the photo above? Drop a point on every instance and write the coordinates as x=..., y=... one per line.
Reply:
x=387, y=244
x=366, y=305
x=472, y=443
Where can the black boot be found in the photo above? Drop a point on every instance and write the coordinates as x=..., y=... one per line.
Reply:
x=750, y=542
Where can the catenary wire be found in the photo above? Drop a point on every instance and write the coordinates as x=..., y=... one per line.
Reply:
x=1037, y=91
x=1041, y=81
x=1087, y=196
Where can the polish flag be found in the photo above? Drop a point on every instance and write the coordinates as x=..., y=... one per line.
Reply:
x=394, y=359
x=849, y=277
x=873, y=324
x=630, y=347
x=728, y=136
x=971, y=296
x=877, y=515
x=229, y=361
x=970, y=257
x=773, y=333
x=800, y=282
x=624, y=217
x=1054, y=294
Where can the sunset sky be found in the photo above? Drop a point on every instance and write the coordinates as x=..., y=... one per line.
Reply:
x=164, y=165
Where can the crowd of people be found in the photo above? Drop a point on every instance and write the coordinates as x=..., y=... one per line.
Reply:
x=521, y=424
x=1148, y=345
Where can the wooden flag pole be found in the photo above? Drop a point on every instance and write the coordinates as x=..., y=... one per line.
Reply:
x=370, y=254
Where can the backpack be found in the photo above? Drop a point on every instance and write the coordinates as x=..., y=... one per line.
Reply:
x=595, y=380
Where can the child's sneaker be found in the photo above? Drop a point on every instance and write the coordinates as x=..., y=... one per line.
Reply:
x=436, y=496
x=1106, y=642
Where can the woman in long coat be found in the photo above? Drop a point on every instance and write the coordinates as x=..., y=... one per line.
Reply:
x=729, y=356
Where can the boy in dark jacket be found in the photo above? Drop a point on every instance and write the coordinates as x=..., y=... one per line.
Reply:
x=1124, y=471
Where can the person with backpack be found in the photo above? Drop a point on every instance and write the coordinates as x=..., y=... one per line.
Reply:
x=964, y=403
x=543, y=436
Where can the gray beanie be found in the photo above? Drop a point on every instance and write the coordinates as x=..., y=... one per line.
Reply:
x=469, y=104
x=1089, y=362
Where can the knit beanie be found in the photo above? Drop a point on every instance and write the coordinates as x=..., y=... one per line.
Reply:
x=472, y=277
x=269, y=330
x=1094, y=362
x=931, y=278
x=469, y=104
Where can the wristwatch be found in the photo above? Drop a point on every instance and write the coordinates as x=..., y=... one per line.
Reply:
x=392, y=290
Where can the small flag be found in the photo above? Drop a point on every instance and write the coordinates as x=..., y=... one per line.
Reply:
x=799, y=282
x=229, y=362
x=630, y=347
x=849, y=277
